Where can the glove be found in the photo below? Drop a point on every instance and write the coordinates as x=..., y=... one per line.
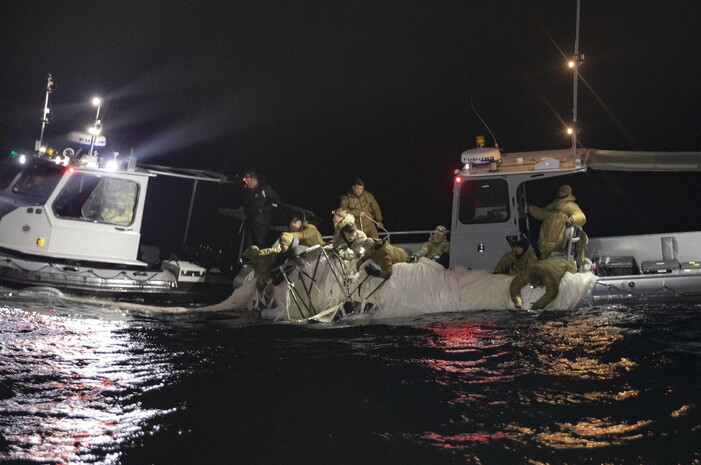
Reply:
x=413, y=259
x=371, y=270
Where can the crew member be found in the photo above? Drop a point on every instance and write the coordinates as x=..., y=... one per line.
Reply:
x=306, y=232
x=363, y=206
x=290, y=249
x=437, y=248
x=547, y=273
x=559, y=214
x=521, y=255
x=351, y=245
x=384, y=255
x=260, y=201
x=340, y=218
x=262, y=262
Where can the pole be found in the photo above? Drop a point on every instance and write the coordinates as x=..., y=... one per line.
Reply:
x=189, y=211
x=45, y=118
x=576, y=80
x=96, y=128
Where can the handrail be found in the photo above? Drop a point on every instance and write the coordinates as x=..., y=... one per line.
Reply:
x=393, y=233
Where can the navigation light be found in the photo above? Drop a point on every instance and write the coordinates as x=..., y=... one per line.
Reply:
x=458, y=179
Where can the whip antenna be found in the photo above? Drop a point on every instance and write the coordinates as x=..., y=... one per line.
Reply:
x=496, y=144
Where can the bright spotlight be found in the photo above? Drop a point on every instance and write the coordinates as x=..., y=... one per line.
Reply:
x=570, y=131
x=571, y=64
x=96, y=101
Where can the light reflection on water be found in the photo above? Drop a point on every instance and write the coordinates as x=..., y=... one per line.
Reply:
x=80, y=379
x=68, y=385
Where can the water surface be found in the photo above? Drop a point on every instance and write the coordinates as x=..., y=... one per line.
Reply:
x=86, y=381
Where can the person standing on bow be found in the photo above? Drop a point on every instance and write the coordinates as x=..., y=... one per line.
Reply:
x=363, y=206
x=260, y=200
x=559, y=214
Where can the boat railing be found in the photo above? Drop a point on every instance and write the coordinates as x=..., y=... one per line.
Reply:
x=406, y=239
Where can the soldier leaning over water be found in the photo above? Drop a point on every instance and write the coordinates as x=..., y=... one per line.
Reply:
x=384, y=255
x=306, y=232
x=544, y=273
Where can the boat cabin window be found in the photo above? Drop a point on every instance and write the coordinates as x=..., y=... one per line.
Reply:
x=37, y=180
x=8, y=172
x=484, y=201
x=98, y=199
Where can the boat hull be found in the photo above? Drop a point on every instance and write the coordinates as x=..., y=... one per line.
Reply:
x=120, y=283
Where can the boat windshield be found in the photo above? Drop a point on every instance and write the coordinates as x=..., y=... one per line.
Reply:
x=98, y=199
x=484, y=201
x=34, y=180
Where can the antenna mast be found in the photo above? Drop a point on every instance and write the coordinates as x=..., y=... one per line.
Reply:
x=574, y=64
x=45, y=117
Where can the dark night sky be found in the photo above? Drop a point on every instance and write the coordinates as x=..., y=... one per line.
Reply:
x=314, y=94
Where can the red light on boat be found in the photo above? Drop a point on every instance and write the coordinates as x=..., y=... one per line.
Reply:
x=458, y=179
x=70, y=170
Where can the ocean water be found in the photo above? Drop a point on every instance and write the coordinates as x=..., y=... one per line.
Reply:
x=94, y=382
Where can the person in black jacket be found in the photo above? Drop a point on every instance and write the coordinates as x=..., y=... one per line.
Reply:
x=260, y=201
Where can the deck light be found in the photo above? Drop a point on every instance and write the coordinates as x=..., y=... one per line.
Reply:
x=571, y=64
x=22, y=159
x=570, y=130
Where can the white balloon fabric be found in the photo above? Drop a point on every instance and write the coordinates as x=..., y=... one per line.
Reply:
x=424, y=287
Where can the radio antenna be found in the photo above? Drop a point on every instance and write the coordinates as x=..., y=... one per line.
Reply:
x=45, y=118
x=574, y=64
x=496, y=144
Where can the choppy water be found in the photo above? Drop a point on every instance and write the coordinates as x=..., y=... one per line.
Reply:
x=89, y=382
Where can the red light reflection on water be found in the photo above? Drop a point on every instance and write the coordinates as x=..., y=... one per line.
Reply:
x=467, y=348
x=463, y=441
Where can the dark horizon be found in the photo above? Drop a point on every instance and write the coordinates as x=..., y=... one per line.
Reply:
x=313, y=95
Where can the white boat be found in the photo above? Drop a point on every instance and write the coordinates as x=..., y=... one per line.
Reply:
x=72, y=220
x=489, y=211
x=490, y=206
